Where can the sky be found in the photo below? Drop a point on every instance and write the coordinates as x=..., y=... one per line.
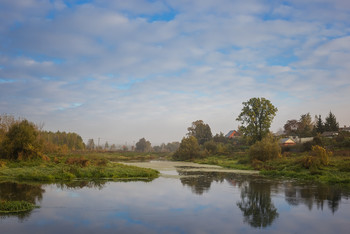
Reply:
x=122, y=70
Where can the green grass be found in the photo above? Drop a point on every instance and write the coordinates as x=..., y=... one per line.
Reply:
x=62, y=169
x=337, y=172
x=15, y=206
x=227, y=162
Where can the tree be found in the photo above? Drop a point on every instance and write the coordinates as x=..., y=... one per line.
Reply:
x=305, y=125
x=22, y=141
x=331, y=123
x=91, y=144
x=291, y=127
x=200, y=131
x=143, y=146
x=189, y=149
x=319, y=124
x=256, y=117
x=106, y=145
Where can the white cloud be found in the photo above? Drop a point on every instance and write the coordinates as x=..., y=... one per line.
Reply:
x=134, y=77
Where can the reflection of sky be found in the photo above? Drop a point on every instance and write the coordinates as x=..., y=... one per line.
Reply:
x=166, y=206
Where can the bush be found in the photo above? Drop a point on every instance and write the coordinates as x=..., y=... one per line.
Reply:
x=266, y=149
x=21, y=142
x=82, y=162
x=322, y=154
x=211, y=147
x=189, y=149
x=311, y=162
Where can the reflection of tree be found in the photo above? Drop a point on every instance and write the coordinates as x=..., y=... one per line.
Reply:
x=256, y=205
x=200, y=182
x=310, y=195
x=18, y=192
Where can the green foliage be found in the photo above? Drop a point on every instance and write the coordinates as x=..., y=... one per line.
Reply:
x=266, y=149
x=322, y=154
x=143, y=146
x=331, y=123
x=256, y=118
x=211, y=147
x=189, y=149
x=21, y=142
x=70, y=168
x=15, y=206
x=305, y=126
x=200, y=131
x=319, y=125
x=311, y=162
x=58, y=141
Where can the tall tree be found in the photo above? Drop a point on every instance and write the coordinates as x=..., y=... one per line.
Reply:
x=291, y=126
x=91, y=144
x=305, y=125
x=200, y=131
x=256, y=118
x=143, y=146
x=331, y=123
x=319, y=127
x=189, y=149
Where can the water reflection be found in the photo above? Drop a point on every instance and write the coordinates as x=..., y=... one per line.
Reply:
x=10, y=191
x=218, y=202
x=256, y=204
x=200, y=182
x=315, y=195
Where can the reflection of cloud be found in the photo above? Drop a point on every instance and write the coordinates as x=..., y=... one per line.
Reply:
x=170, y=63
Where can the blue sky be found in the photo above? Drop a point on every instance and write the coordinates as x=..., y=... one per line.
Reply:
x=123, y=70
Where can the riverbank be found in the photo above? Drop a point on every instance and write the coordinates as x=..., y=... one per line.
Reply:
x=290, y=166
x=71, y=167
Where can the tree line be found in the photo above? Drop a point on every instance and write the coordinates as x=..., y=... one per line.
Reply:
x=255, y=118
x=22, y=139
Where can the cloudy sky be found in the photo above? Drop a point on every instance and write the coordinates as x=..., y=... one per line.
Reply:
x=122, y=70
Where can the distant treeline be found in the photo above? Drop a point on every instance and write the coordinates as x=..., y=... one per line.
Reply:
x=55, y=141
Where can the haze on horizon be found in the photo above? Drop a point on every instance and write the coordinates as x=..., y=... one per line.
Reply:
x=123, y=70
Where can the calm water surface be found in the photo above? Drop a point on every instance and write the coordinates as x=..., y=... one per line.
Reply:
x=194, y=202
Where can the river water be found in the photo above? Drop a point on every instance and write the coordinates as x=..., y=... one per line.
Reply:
x=184, y=199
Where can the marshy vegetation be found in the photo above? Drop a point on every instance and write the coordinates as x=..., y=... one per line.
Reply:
x=8, y=207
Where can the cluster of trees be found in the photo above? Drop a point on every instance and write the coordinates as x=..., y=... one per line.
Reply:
x=92, y=146
x=22, y=139
x=305, y=127
x=58, y=141
x=256, y=118
x=330, y=124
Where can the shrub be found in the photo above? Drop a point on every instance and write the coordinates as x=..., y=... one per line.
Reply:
x=189, y=149
x=310, y=162
x=211, y=147
x=82, y=162
x=322, y=154
x=266, y=149
x=22, y=142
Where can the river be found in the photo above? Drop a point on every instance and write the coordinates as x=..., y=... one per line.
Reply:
x=186, y=198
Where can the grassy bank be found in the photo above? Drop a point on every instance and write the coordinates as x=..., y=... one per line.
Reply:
x=226, y=162
x=338, y=170
x=70, y=167
x=291, y=166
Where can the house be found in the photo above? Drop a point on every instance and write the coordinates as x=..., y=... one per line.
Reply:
x=286, y=142
x=232, y=134
x=344, y=129
x=329, y=134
